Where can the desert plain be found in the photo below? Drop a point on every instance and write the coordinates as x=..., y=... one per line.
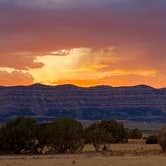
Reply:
x=120, y=155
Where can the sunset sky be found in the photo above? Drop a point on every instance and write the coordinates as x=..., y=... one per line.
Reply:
x=83, y=42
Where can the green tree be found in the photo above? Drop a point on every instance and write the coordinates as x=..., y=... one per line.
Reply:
x=116, y=129
x=45, y=136
x=67, y=135
x=18, y=135
x=134, y=133
x=104, y=133
x=95, y=135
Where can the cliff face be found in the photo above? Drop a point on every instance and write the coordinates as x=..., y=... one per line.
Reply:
x=138, y=103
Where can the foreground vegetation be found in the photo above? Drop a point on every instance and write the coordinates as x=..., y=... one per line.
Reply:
x=26, y=136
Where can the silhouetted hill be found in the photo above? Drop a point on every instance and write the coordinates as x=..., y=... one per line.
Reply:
x=138, y=103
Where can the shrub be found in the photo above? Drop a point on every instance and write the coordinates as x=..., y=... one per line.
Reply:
x=162, y=138
x=67, y=135
x=104, y=133
x=44, y=135
x=134, y=133
x=116, y=129
x=152, y=139
x=96, y=136
x=25, y=135
x=18, y=135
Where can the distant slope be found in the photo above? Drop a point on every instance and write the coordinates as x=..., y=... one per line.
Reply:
x=138, y=103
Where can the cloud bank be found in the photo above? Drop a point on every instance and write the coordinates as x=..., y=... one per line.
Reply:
x=30, y=29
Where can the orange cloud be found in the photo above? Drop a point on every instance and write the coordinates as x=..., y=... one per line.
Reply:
x=19, y=61
x=99, y=66
x=39, y=28
x=62, y=28
x=15, y=78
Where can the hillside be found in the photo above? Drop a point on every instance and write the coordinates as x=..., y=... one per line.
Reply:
x=138, y=103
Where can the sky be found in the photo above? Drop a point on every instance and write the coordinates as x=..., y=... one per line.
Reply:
x=83, y=42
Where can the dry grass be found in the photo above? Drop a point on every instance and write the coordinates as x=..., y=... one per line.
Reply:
x=84, y=160
x=121, y=155
x=129, y=149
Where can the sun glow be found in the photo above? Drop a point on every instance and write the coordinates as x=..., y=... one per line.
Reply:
x=88, y=67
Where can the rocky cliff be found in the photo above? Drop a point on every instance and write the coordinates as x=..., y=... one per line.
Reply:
x=139, y=103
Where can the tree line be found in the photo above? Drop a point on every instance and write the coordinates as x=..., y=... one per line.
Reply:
x=27, y=136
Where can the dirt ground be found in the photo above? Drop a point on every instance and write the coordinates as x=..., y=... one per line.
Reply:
x=120, y=155
x=84, y=160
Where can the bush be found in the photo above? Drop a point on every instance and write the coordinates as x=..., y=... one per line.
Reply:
x=105, y=133
x=25, y=135
x=152, y=139
x=67, y=135
x=134, y=134
x=116, y=129
x=18, y=136
x=162, y=138
x=96, y=136
x=44, y=135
